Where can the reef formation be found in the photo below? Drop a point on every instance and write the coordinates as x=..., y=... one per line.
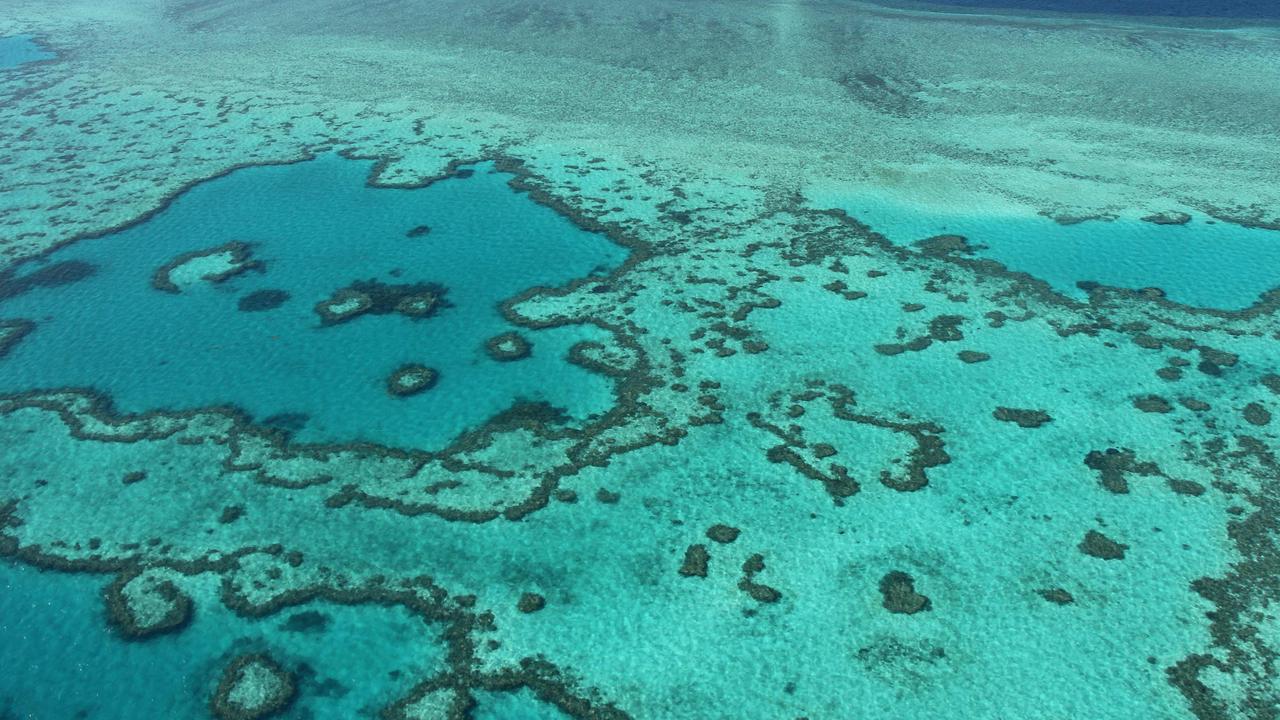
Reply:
x=899, y=468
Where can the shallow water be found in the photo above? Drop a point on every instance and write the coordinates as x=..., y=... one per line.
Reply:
x=631, y=423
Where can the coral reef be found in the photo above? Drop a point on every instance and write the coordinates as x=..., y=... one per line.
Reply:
x=374, y=297
x=144, y=604
x=253, y=686
x=899, y=592
x=12, y=332
x=507, y=347
x=411, y=379
x=214, y=265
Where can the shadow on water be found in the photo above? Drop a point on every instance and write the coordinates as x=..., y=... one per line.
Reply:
x=49, y=276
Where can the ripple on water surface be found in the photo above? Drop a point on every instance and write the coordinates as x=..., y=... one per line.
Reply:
x=247, y=290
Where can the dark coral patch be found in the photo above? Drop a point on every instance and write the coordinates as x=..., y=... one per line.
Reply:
x=946, y=328
x=374, y=297
x=168, y=609
x=898, y=594
x=598, y=358
x=696, y=559
x=411, y=379
x=1221, y=358
x=1147, y=342
x=1168, y=217
x=289, y=422
x=1186, y=487
x=241, y=261
x=530, y=603
x=723, y=534
x=841, y=288
x=253, y=686
x=342, y=306
x=12, y=332
x=930, y=450
x=1194, y=404
x=1115, y=465
x=1152, y=404
x=1057, y=596
x=55, y=275
x=261, y=300
x=941, y=246
x=838, y=483
x=1095, y=544
x=421, y=305
x=914, y=345
x=753, y=566
x=1255, y=414
x=972, y=356
x=1271, y=382
x=507, y=347
x=308, y=622
x=1023, y=417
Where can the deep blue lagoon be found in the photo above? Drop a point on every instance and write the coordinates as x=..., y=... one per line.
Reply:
x=312, y=229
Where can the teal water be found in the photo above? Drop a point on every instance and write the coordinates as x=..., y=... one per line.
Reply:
x=805, y=475
x=317, y=227
x=61, y=661
x=1241, y=9
x=1203, y=263
x=16, y=50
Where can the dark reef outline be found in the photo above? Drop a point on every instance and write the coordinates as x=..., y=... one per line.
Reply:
x=222, y=707
x=549, y=682
x=15, y=331
x=241, y=261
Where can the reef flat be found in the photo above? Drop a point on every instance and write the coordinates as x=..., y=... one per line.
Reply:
x=649, y=360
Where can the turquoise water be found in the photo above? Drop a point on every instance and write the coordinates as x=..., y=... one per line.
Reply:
x=61, y=661
x=505, y=360
x=1203, y=263
x=316, y=227
x=1243, y=9
x=18, y=49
